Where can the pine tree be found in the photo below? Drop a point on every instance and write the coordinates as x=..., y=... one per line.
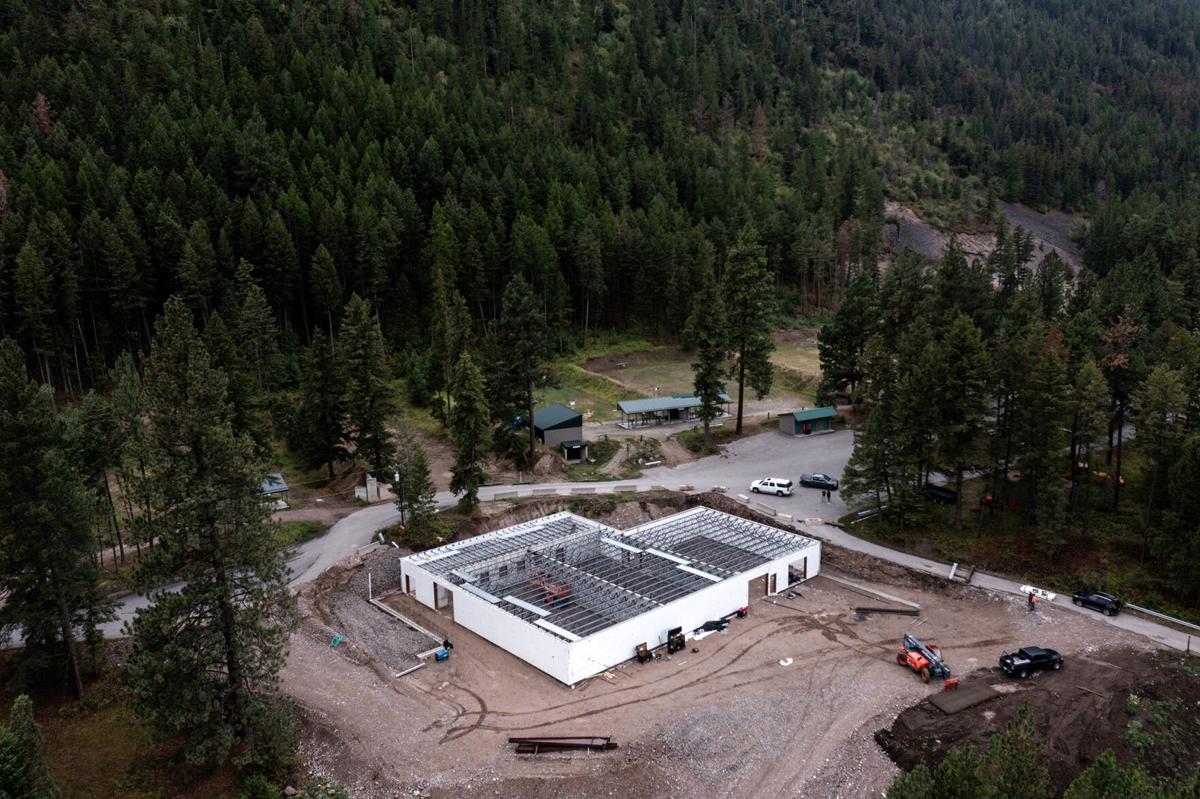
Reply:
x=470, y=428
x=517, y=347
x=417, y=497
x=206, y=658
x=450, y=328
x=33, y=296
x=1105, y=778
x=28, y=739
x=93, y=436
x=14, y=767
x=1091, y=404
x=706, y=332
x=197, y=270
x=1014, y=764
x=869, y=472
x=1160, y=404
x=1043, y=440
x=325, y=286
x=253, y=327
x=48, y=572
x=589, y=261
x=843, y=339
x=370, y=401
x=319, y=432
x=1179, y=543
x=750, y=304
x=959, y=367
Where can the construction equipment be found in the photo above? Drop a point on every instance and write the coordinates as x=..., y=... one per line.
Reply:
x=924, y=659
x=675, y=640
x=553, y=591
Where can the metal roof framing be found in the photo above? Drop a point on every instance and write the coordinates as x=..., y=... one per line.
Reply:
x=574, y=577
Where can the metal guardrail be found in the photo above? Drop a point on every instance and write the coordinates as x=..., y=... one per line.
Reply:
x=1162, y=616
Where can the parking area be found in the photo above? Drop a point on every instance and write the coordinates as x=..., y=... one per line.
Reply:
x=771, y=455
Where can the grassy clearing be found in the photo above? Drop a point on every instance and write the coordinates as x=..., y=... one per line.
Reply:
x=96, y=749
x=594, y=395
x=693, y=439
x=292, y=533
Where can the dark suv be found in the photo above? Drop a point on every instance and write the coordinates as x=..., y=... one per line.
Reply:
x=818, y=480
x=1107, y=604
x=1029, y=659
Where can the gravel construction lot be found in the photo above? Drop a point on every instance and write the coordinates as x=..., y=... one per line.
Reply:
x=725, y=720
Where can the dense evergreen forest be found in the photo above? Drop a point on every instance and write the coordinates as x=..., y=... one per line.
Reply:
x=601, y=151
x=229, y=223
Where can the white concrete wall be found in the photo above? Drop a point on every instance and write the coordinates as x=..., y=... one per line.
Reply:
x=780, y=567
x=540, y=649
x=607, y=648
x=422, y=582
x=570, y=662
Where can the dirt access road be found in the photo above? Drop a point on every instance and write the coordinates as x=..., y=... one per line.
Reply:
x=784, y=703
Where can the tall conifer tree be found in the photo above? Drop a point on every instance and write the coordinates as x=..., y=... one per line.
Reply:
x=206, y=657
x=370, y=401
x=48, y=572
x=470, y=428
x=707, y=332
x=750, y=304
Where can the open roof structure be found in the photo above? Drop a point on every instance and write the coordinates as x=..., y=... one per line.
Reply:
x=574, y=577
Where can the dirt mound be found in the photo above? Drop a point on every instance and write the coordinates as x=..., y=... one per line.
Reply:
x=547, y=464
x=1140, y=704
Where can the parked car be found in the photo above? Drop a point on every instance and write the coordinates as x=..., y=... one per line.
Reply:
x=773, y=485
x=818, y=480
x=941, y=494
x=1107, y=604
x=1029, y=659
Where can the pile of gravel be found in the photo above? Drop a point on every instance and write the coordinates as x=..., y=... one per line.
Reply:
x=380, y=634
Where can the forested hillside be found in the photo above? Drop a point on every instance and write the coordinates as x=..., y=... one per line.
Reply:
x=606, y=152
x=239, y=233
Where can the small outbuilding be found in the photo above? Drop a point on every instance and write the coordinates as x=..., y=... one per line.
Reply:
x=575, y=450
x=557, y=424
x=275, y=490
x=807, y=422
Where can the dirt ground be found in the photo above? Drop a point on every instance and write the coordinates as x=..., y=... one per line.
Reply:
x=1082, y=710
x=723, y=718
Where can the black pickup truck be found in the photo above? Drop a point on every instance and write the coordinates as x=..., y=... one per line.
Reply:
x=1029, y=659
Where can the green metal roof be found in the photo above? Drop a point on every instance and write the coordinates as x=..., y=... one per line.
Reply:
x=656, y=404
x=556, y=416
x=814, y=413
x=274, y=484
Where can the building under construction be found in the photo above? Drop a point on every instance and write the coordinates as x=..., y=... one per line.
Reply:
x=574, y=597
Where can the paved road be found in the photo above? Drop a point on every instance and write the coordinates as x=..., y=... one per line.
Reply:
x=765, y=455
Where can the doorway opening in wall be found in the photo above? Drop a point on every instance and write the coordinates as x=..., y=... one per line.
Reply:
x=443, y=599
x=407, y=584
x=758, y=586
x=771, y=587
x=798, y=571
